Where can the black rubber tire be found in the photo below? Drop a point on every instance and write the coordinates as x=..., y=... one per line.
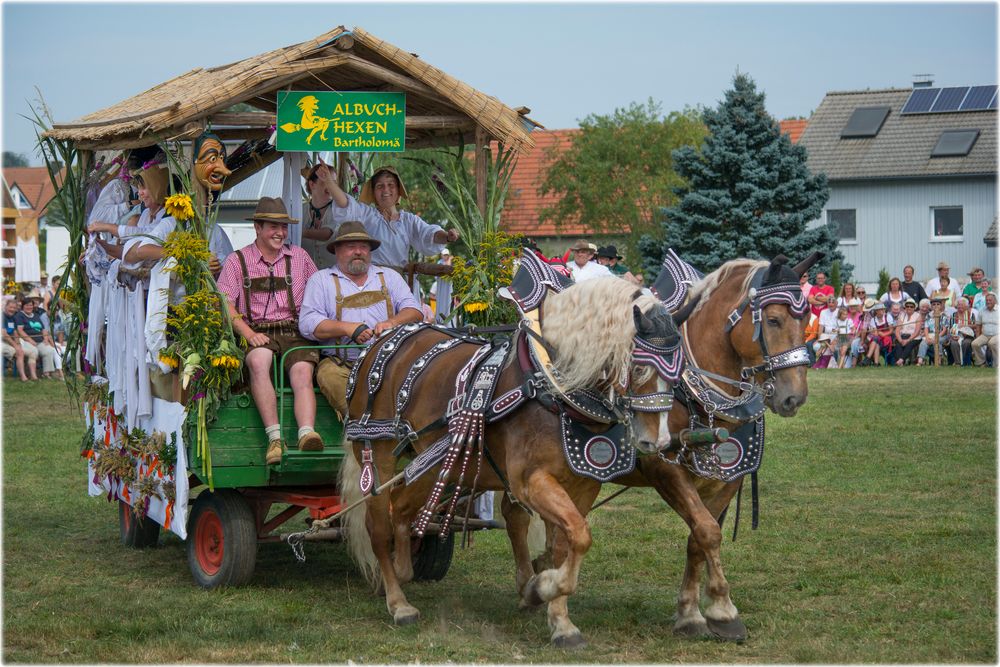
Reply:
x=136, y=533
x=222, y=539
x=432, y=557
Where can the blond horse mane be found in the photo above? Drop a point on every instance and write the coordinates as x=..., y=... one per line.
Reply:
x=707, y=285
x=590, y=326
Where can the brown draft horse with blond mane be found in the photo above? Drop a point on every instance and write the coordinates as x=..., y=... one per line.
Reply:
x=760, y=359
x=592, y=330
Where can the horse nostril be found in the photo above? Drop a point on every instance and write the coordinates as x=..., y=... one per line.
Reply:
x=792, y=402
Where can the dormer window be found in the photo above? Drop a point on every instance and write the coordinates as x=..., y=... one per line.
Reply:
x=955, y=143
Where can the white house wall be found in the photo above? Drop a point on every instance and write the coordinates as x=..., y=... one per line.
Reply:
x=894, y=226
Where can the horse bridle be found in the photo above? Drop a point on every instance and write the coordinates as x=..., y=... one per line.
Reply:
x=758, y=296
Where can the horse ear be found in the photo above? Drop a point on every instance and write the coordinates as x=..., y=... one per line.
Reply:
x=774, y=271
x=807, y=263
x=642, y=323
x=685, y=311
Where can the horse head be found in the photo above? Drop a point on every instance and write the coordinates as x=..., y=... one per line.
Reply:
x=608, y=336
x=772, y=343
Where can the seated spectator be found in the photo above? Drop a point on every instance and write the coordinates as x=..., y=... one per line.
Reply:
x=986, y=341
x=264, y=284
x=845, y=335
x=895, y=294
x=353, y=301
x=811, y=336
x=947, y=292
x=972, y=289
x=964, y=323
x=857, y=323
x=846, y=294
x=33, y=334
x=827, y=341
x=608, y=256
x=908, y=327
x=804, y=284
x=937, y=333
x=878, y=334
x=911, y=286
x=12, y=347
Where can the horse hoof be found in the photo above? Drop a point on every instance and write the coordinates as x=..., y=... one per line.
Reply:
x=692, y=630
x=730, y=631
x=574, y=640
x=406, y=617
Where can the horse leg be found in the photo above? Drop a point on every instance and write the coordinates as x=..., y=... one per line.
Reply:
x=721, y=618
x=406, y=503
x=573, y=540
x=518, y=521
x=381, y=531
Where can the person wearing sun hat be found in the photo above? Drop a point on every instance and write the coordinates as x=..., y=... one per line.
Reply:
x=352, y=302
x=398, y=230
x=581, y=268
x=907, y=331
x=264, y=284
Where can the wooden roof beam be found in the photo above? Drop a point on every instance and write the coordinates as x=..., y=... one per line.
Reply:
x=399, y=80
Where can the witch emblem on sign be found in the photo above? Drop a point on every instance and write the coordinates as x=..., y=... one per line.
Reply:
x=310, y=121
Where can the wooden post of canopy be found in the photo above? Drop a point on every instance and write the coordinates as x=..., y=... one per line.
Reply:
x=481, y=147
x=342, y=171
x=937, y=340
x=86, y=160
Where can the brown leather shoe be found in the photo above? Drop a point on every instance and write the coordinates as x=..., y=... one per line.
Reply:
x=311, y=442
x=274, y=451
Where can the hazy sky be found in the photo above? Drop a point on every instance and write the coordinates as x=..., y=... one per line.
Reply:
x=564, y=61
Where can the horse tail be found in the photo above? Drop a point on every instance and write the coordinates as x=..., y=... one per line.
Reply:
x=353, y=523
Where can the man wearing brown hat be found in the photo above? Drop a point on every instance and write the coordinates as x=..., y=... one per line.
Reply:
x=352, y=302
x=581, y=268
x=264, y=284
x=934, y=284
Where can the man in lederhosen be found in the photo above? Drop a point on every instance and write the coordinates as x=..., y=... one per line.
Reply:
x=353, y=301
x=265, y=283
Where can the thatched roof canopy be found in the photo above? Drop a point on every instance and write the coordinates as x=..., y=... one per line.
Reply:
x=440, y=108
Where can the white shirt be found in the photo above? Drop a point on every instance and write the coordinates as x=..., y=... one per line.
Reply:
x=988, y=319
x=397, y=236
x=589, y=271
x=828, y=322
x=934, y=284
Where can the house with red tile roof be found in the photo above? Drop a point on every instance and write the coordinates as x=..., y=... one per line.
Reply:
x=31, y=190
x=793, y=128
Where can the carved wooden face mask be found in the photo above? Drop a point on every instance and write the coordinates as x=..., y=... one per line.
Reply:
x=210, y=163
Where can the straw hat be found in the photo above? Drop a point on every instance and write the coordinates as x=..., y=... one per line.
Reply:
x=368, y=196
x=909, y=300
x=878, y=305
x=272, y=209
x=943, y=265
x=869, y=302
x=351, y=231
x=976, y=268
x=580, y=245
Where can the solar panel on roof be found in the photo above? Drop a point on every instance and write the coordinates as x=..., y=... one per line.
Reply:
x=993, y=104
x=950, y=99
x=864, y=122
x=921, y=100
x=954, y=143
x=978, y=98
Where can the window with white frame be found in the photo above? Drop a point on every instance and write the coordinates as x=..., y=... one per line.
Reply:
x=946, y=222
x=844, y=223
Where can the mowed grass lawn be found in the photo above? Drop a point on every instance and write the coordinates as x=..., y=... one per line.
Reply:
x=877, y=544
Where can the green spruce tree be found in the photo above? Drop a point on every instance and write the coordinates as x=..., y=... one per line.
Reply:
x=748, y=193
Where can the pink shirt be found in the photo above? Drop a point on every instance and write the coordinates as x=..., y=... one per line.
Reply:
x=265, y=307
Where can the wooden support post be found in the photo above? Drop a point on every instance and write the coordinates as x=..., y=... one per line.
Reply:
x=342, y=171
x=937, y=340
x=481, y=147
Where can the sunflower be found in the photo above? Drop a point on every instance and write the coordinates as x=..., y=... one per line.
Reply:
x=179, y=207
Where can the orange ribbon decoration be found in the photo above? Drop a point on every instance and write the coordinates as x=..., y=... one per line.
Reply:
x=107, y=435
x=125, y=495
x=166, y=521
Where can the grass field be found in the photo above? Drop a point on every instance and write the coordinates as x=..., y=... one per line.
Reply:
x=877, y=544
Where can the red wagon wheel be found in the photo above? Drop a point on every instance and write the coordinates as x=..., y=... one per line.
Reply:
x=222, y=539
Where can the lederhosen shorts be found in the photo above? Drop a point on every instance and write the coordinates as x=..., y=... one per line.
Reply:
x=283, y=334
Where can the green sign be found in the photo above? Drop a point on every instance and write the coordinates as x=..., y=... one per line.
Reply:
x=329, y=121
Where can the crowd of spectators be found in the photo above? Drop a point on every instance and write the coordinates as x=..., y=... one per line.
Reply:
x=909, y=324
x=30, y=339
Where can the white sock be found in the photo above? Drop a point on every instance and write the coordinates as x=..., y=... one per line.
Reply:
x=305, y=430
x=273, y=432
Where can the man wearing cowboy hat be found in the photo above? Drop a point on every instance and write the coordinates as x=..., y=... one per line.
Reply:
x=397, y=230
x=934, y=284
x=352, y=302
x=264, y=284
x=581, y=268
x=608, y=256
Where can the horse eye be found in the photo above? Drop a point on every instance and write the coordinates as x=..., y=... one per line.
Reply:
x=773, y=321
